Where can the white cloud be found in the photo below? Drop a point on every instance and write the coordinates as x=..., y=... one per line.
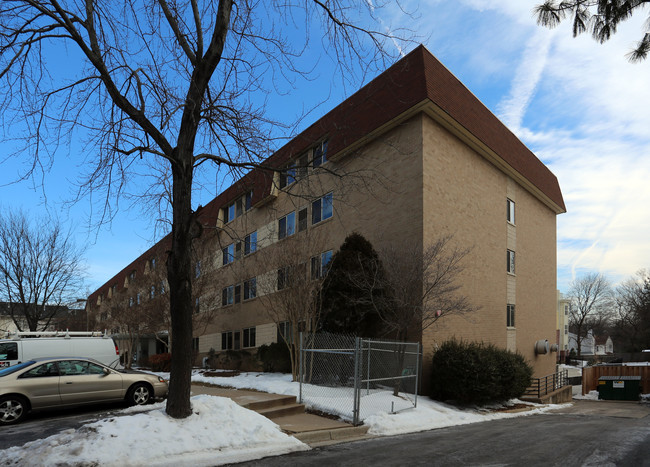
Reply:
x=579, y=105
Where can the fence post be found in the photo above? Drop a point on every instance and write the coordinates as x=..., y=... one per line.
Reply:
x=357, y=388
x=417, y=373
x=368, y=370
x=300, y=370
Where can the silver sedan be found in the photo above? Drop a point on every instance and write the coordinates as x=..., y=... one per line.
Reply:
x=46, y=383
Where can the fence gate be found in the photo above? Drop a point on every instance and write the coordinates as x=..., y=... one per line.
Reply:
x=357, y=377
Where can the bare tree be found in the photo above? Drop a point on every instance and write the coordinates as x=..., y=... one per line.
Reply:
x=631, y=324
x=289, y=291
x=174, y=82
x=40, y=269
x=591, y=297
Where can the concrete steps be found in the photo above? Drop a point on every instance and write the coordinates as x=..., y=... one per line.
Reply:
x=290, y=416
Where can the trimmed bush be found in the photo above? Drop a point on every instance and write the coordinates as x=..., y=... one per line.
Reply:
x=478, y=373
x=275, y=357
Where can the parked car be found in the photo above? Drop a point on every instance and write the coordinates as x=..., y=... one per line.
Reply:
x=23, y=346
x=46, y=383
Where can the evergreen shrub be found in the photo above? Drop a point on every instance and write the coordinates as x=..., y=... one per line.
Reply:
x=478, y=373
x=275, y=357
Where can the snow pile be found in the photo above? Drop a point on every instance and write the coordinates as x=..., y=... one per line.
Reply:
x=218, y=432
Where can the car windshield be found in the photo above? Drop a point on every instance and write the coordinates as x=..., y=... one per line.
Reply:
x=12, y=369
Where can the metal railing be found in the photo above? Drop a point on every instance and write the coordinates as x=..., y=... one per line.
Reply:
x=357, y=377
x=547, y=384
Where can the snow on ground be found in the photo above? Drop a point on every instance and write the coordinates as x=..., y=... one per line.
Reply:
x=591, y=396
x=219, y=431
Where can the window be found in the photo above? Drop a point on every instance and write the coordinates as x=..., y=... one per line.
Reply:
x=566, y=310
x=237, y=340
x=226, y=340
x=197, y=269
x=511, y=262
x=152, y=291
x=248, y=203
x=130, y=301
x=237, y=250
x=238, y=293
x=249, y=337
x=250, y=288
x=511, y=211
x=137, y=298
x=288, y=176
x=320, y=154
x=162, y=288
x=228, y=254
x=250, y=243
x=566, y=329
x=152, y=264
x=132, y=276
x=301, y=166
x=195, y=344
x=227, y=295
x=283, y=277
x=197, y=305
x=510, y=316
x=284, y=332
x=47, y=369
x=8, y=351
x=321, y=209
x=302, y=219
x=320, y=264
x=287, y=226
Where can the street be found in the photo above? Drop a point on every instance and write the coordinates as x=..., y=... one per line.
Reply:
x=590, y=433
x=40, y=425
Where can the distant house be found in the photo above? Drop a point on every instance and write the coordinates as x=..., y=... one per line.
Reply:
x=592, y=345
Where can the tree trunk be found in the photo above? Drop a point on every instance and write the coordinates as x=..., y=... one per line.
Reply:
x=180, y=286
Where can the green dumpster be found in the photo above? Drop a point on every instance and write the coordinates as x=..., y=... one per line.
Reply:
x=619, y=388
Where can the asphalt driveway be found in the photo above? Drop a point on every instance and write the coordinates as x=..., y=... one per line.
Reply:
x=590, y=433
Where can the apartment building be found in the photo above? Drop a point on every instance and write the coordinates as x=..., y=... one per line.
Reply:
x=410, y=157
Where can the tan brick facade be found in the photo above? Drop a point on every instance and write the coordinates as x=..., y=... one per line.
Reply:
x=421, y=174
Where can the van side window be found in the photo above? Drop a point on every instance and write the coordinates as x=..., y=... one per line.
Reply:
x=9, y=351
x=47, y=369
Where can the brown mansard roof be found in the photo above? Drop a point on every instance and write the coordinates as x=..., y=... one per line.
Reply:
x=416, y=82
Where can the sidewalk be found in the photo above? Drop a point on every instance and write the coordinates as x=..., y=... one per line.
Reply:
x=289, y=415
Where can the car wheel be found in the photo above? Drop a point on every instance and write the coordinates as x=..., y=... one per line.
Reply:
x=139, y=394
x=12, y=409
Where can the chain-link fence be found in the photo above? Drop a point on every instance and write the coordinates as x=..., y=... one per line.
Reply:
x=356, y=377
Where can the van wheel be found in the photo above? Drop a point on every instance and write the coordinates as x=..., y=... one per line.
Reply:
x=12, y=409
x=139, y=394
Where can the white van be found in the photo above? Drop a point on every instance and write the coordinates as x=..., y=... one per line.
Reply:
x=22, y=346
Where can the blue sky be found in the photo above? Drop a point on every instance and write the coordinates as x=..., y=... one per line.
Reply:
x=580, y=106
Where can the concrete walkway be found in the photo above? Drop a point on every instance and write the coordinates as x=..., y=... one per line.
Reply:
x=289, y=415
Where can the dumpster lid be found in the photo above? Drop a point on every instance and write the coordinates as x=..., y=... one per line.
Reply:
x=619, y=378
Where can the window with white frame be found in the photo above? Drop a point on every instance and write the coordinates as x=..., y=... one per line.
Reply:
x=566, y=329
x=510, y=261
x=228, y=254
x=320, y=264
x=238, y=293
x=302, y=165
x=321, y=209
x=227, y=295
x=250, y=243
x=510, y=319
x=238, y=250
x=566, y=310
x=250, y=288
x=249, y=337
x=511, y=211
x=320, y=154
x=195, y=344
x=248, y=200
x=284, y=332
x=238, y=207
x=287, y=226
